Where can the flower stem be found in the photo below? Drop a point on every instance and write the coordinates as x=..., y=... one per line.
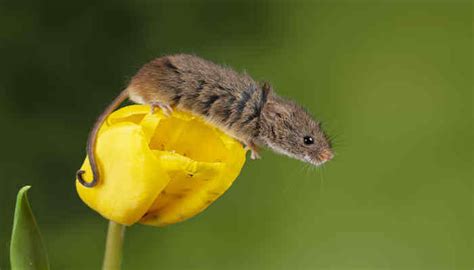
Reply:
x=113, y=246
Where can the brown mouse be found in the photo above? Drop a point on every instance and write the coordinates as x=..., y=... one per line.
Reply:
x=250, y=112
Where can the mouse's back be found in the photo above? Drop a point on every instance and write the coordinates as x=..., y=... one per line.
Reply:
x=220, y=94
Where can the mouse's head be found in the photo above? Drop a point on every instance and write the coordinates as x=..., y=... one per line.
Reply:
x=288, y=129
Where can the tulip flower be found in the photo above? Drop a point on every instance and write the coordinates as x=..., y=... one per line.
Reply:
x=158, y=169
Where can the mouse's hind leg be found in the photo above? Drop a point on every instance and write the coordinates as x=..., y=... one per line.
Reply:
x=165, y=107
x=146, y=94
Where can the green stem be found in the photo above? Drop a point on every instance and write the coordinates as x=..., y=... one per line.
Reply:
x=113, y=246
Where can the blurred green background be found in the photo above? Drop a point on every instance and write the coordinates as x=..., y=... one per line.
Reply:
x=391, y=80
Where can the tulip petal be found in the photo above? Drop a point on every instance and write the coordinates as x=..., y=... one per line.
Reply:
x=204, y=164
x=130, y=181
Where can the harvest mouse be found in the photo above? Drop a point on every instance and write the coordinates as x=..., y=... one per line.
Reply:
x=244, y=109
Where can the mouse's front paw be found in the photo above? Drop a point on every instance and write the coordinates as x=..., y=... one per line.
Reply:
x=253, y=150
x=255, y=155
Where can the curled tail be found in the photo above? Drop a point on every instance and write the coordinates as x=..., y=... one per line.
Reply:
x=91, y=141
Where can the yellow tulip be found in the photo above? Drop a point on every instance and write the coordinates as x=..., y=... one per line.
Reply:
x=158, y=169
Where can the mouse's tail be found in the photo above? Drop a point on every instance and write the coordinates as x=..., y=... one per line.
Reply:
x=93, y=138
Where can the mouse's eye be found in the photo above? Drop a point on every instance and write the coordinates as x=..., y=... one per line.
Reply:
x=308, y=140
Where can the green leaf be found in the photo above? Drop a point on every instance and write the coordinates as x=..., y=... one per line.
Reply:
x=26, y=248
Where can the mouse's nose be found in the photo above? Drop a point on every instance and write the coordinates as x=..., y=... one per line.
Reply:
x=326, y=155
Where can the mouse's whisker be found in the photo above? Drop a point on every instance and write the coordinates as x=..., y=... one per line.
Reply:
x=322, y=182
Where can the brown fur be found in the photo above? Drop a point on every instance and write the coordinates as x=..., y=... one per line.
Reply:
x=221, y=95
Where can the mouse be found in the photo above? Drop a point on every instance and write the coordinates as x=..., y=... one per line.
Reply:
x=249, y=111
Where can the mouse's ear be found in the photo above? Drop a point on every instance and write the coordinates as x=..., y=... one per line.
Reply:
x=266, y=88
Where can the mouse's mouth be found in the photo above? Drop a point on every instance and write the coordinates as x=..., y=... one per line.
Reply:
x=319, y=159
